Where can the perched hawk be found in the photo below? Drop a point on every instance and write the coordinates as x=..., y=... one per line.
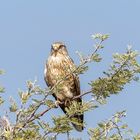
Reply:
x=60, y=66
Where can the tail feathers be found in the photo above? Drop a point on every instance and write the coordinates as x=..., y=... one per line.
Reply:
x=80, y=120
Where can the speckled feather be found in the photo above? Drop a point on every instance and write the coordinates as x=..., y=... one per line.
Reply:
x=58, y=66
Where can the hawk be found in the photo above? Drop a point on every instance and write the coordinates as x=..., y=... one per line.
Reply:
x=59, y=67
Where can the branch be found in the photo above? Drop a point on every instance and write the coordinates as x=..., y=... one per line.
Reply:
x=83, y=94
x=34, y=117
x=118, y=129
x=54, y=106
x=104, y=128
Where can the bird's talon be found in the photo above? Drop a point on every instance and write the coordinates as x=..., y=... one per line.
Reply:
x=67, y=102
x=57, y=103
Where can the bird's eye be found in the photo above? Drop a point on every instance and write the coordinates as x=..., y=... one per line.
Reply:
x=61, y=46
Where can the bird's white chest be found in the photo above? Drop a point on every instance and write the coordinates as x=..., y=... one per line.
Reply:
x=56, y=62
x=55, y=59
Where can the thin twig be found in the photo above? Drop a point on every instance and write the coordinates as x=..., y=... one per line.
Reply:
x=118, y=129
x=83, y=94
x=54, y=106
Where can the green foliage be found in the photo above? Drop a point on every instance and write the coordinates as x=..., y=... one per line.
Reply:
x=93, y=57
x=61, y=124
x=110, y=129
x=2, y=89
x=137, y=137
x=78, y=109
x=1, y=72
x=101, y=37
x=1, y=100
x=13, y=107
x=123, y=70
x=35, y=102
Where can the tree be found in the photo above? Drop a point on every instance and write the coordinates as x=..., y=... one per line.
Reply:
x=29, y=123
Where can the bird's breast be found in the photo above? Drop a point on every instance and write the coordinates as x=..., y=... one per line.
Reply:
x=58, y=67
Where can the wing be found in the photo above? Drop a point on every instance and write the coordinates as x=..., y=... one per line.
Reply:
x=75, y=89
x=47, y=78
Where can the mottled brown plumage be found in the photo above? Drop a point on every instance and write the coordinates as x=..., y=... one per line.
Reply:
x=58, y=66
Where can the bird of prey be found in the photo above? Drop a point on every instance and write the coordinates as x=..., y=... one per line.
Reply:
x=59, y=67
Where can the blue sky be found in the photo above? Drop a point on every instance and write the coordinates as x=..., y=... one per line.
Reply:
x=28, y=28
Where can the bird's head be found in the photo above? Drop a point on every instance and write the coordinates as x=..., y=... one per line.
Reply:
x=58, y=47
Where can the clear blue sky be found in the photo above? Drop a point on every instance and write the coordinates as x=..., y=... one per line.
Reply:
x=28, y=27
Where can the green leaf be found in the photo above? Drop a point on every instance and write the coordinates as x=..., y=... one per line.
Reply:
x=2, y=89
x=100, y=36
x=81, y=70
x=24, y=96
x=96, y=57
x=49, y=103
x=1, y=100
x=2, y=72
x=124, y=126
x=13, y=107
